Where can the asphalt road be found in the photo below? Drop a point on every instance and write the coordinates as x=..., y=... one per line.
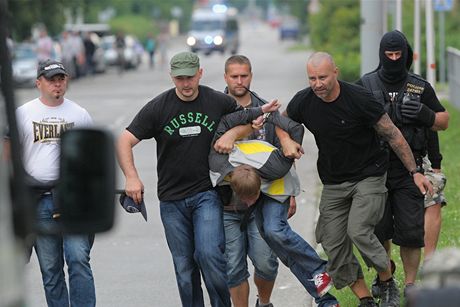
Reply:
x=131, y=263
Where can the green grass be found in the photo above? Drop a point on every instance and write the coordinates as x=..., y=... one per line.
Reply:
x=450, y=149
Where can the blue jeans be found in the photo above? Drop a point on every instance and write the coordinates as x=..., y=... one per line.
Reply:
x=291, y=249
x=241, y=244
x=195, y=234
x=52, y=250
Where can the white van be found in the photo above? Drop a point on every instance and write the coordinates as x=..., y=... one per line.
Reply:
x=214, y=31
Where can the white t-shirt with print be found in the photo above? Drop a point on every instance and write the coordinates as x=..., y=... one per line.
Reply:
x=40, y=127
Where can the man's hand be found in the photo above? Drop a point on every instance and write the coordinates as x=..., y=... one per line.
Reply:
x=423, y=183
x=292, y=207
x=258, y=123
x=225, y=143
x=414, y=110
x=292, y=149
x=272, y=106
x=134, y=188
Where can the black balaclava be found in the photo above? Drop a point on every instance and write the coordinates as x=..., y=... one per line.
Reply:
x=394, y=71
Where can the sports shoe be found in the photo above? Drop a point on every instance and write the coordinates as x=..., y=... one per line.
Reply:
x=323, y=283
x=389, y=294
x=367, y=302
x=375, y=286
x=258, y=305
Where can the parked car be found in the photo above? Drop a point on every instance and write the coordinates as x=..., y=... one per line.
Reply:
x=24, y=64
x=132, y=54
x=289, y=28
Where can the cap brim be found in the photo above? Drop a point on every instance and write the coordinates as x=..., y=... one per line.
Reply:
x=53, y=73
x=127, y=202
x=143, y=210
x=184, y=72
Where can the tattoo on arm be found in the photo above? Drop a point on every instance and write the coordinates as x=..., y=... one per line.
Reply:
x=391, y=134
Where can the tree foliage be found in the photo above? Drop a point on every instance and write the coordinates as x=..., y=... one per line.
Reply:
x=24, y=14
x=336, y=29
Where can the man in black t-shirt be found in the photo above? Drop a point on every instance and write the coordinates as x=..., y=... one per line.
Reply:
x=346, y=122
x=414, y=108
x=183, y=121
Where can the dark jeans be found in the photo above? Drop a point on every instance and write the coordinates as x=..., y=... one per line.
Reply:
x=195, y=234
x=291, y=249
x=52, y=250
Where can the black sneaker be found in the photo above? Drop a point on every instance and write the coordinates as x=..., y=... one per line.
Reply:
x=375, y=286
x=389, y=294
x=367, y=302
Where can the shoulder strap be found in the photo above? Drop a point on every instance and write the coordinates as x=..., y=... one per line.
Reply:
x=372, y=82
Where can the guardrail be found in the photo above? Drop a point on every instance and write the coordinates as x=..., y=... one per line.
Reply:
x=453, y=64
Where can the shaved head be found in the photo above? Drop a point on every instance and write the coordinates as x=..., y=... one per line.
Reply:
x=318, y=58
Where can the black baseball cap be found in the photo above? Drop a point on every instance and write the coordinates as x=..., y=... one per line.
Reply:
x=50, y=68
x=131, y=207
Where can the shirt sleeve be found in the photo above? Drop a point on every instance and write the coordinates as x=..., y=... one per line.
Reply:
x=430, y=99
x=293, y=108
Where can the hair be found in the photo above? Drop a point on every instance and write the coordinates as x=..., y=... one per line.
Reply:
x=237, y=59
x=318, y=57
x=245, y=181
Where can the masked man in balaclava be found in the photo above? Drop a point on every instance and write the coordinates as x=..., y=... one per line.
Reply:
x=414, y=108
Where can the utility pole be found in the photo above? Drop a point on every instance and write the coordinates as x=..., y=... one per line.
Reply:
x=430, y=60
x=417, y=25
x=371, y=31
x=398, y=21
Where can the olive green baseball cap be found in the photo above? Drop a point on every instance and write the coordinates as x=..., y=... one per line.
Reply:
x=184, y=64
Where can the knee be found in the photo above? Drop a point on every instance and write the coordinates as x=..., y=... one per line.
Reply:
x=358, y=233
x=267, y=269
x=209, y=253
x=275, y=232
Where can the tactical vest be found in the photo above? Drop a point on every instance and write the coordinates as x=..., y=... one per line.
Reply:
x=414, y=133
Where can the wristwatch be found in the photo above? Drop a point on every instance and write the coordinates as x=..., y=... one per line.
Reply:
x=418, y=169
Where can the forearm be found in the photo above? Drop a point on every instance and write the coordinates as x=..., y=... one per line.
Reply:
x=6, y=154
x=441, y=121
x=235, y=119
x=391, y=134
x=239, y=132
x=125, y=155
x=292, y=129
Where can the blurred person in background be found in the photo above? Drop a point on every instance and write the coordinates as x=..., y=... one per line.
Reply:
x=90, y=48
x=68, y=54
x=78, y=53
x=120, y=46
x=44, y=46
x=150, y=46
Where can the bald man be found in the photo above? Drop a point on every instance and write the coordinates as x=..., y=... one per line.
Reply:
x=346, y=121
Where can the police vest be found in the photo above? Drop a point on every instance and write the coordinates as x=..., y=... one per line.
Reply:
x=414, y=133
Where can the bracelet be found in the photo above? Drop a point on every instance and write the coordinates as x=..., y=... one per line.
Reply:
x=418, y=169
